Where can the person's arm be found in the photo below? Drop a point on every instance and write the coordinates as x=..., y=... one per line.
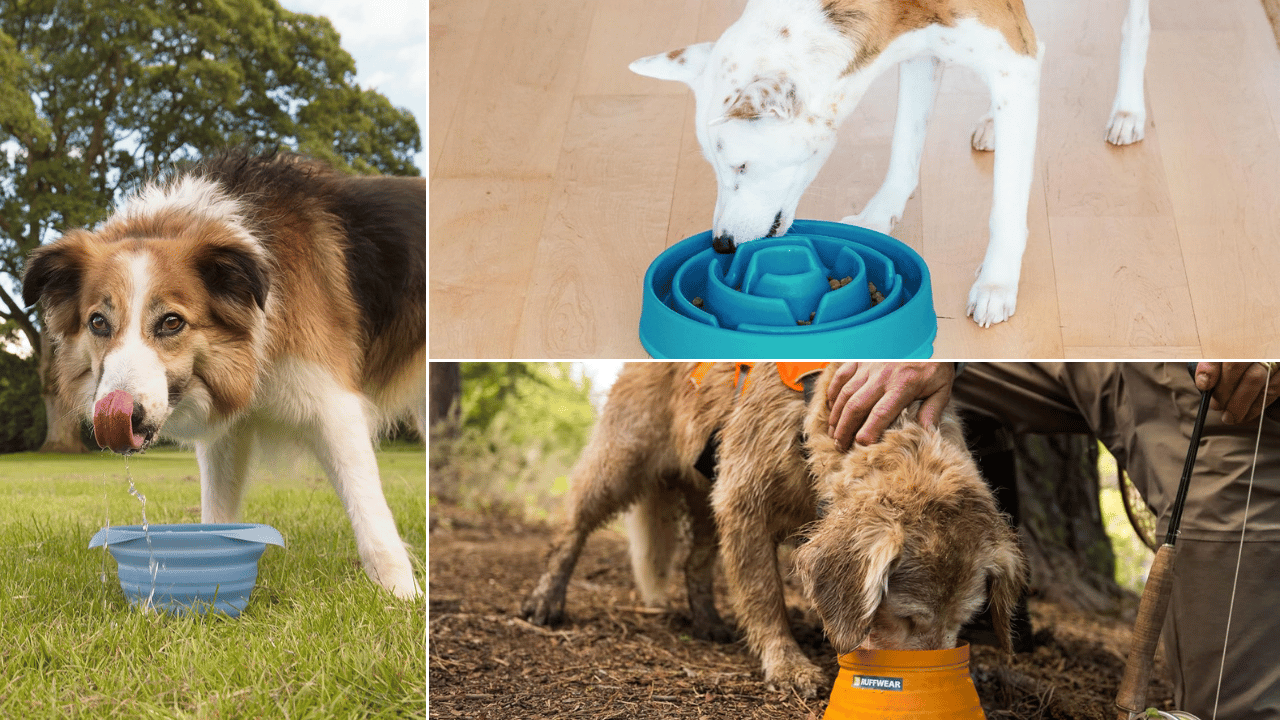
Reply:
x=865, y=398
x=1240, y=390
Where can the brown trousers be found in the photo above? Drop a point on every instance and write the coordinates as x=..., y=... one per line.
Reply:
x=1143, y=413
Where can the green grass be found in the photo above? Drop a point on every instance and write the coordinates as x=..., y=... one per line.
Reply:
x=317, y=640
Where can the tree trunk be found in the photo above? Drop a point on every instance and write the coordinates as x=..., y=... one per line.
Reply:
x=1049, y=485
x=444, y=399
x=1067, y=545
x=62, y=423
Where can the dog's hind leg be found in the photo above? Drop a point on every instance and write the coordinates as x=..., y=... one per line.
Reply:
x=1015, y=101
x=918, y=80
x=342, y=440
x=615, y=469
x=653, y=538
x=700, y=568
x=1129, y=111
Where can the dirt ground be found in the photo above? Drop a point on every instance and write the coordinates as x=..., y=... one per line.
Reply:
x=614, y=659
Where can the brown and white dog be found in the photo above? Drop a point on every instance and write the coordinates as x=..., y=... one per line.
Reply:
x=903, y=542
x=251, y=299
x=772, y=91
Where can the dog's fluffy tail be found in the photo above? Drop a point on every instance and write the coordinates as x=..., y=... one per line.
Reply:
x=655, y=532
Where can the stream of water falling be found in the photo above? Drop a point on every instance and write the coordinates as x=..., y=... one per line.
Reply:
x=152, y=565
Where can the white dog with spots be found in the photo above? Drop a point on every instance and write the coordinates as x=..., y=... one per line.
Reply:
x=773, y=89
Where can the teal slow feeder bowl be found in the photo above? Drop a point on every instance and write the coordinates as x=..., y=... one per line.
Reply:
x=197, y=567
x=773, y=297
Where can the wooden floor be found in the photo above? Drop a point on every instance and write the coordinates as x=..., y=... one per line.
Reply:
x=557, y=176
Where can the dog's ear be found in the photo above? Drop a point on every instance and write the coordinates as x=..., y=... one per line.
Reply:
x=683, y=64
x=846, y=575
x=1006, y=580
x=236, y=277
x=53, y=275
x=764, y=97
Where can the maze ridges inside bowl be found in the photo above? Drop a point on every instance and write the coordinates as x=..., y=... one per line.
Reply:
x=784, y=297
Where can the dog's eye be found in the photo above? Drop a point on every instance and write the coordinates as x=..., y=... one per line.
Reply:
x=740, y=169
x=170, y=324
x=99, y=326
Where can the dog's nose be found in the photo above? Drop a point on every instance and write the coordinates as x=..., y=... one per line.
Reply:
x=724, y=244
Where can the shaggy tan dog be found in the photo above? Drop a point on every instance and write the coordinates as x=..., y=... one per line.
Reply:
x=903, y=542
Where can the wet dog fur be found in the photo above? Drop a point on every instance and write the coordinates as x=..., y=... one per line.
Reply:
x=909, y=544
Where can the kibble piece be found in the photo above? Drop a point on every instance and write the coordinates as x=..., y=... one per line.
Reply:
x=697, y=302
x=877, y=297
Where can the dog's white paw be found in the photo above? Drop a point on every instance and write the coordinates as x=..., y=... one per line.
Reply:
x=879, y=222
x=984, y=135
x=1126, y=128
x=991, y=303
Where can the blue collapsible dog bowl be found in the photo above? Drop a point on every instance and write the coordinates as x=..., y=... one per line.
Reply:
x=774, y=297
x=197, y=566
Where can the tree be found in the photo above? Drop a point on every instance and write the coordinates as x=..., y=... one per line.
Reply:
x=1050, y=484
x=99, y=96
x=520, y=427
x=444, y=399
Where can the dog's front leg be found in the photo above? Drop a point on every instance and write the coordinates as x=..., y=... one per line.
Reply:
x=751, y=567
x=1129, y=111
x=918, y=80
x=1015, y=104
x=224, y=464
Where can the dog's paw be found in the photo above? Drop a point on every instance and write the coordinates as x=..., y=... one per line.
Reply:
x=798, y=674
x=991, y=303
x=540, y=610
x=984, y=135
x=717, y=632
x=1126, y=128
x=880, y=222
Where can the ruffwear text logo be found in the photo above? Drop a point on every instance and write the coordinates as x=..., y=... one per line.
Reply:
x=871, y=682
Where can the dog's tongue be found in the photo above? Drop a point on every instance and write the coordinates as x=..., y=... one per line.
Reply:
x=113, y=423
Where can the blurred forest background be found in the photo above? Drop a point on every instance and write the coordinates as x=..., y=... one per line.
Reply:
x=505, y=436
x=98, y=97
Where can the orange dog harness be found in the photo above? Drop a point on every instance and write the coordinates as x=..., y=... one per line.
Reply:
x=790, y=373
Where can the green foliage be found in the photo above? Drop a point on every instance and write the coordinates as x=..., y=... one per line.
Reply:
x=99, y=96
x=21, y=410
x=527, y=400
x=523, y=426
x=1132, y=557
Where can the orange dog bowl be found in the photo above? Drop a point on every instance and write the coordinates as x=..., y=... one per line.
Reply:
x=916, y=684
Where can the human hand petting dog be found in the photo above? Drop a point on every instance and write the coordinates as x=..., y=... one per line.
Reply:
x=1240, y=389
x=865, y=398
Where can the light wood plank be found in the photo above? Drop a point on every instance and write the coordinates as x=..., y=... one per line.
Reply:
x=456, y=29
x=606, y=221
x=513, y=112
x=1159, y=352
x=1222, y=159
x=622, y=31
x=1085, y=175
x=484, y=234
x=1142, y=302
